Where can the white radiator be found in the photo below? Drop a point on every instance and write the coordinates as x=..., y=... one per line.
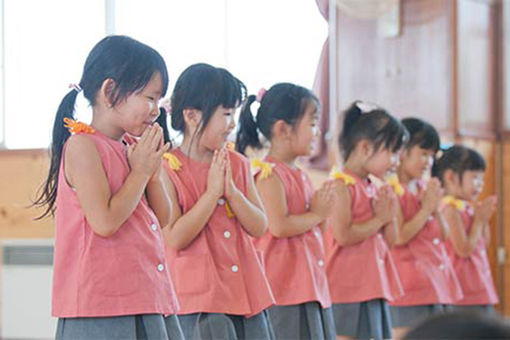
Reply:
x=25, y=304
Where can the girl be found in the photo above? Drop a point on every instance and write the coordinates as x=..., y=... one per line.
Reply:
x=216, y=210
x=358, y=262
x=420, y=256
x=292, y=248
x=110, y=275
x=461, y=172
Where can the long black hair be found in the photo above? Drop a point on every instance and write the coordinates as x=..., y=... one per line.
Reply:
x=131, y=65
x=283, y=101
x=375, y=124
x=203, y=87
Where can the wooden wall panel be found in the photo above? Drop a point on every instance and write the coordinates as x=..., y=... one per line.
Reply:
x=476, y=68
x=21, y=173
x=410, y=75
x=505, y=188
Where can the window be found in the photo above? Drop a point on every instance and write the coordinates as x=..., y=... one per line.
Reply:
x=45, y=46
x=260, y=41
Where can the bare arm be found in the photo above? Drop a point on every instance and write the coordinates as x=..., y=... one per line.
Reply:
x=184, y=228
x=345, y=232
x=463, y=243
x=409, y=229
x=247, y=209
x=158, y=197
x=281, y=223
x=106, y=211
x=156, y=193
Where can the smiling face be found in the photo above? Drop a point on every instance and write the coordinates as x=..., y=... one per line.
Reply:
x=305, y=131
x=381, y=162
x=471, y=184
x=416, y=161
x=467, y=186
x=140, y=109
x=218, y=128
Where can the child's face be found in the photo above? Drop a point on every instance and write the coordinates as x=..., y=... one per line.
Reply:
x=382, y=161
x=416, y=161
x=218, y=128
x=471, y=185
x=306, y=131
x=140, y=109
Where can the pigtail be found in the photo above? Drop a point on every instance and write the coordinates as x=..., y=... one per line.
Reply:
x=351, y=116
x=161, y=120
x=48, y=192
x=247, y=134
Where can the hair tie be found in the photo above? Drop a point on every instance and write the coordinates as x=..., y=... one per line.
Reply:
x=261, y=94
x=366, y=107
x=75, y=87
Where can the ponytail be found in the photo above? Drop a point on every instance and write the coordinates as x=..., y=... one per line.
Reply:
x=283, y=101
x=367, y=121
x=48, y=192
x=161, y=120
x=351, y=116
x=248, y=131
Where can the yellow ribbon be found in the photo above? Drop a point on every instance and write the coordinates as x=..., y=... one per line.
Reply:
x=266, y=169
x=457, y=203
x=395, y=184
x=230, y=213
x=230, y=146
x=173, y=161
x=337, y=174
x=75, y=126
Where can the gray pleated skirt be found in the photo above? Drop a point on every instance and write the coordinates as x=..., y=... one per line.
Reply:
x=146, y=326
x=202, y=326
x=485, y=309
x=407, y=316
x=363, y=320
x=304, y=321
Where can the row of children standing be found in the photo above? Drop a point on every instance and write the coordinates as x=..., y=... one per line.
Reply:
x=197, y=247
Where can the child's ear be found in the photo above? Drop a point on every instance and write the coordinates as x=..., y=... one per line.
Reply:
x=192, y=117
x=281, y=129
x=106, y=92
x=404, y=154
x=451, y=177
x=366, y=148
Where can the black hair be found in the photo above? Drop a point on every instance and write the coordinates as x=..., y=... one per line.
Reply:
x=162, y=121
x=204, y=87
x=459, y=159
x=364, y=121
x=421, y=134
x=460, y=326
x=131, y=65
x=283, y=101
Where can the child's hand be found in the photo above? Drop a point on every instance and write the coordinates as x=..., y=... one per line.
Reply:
x=230, y=186
x=166, y=147
x=144, y=157
x=385, y=205
x=216, y=176
x=431, y=196
x=485, y=208
x=323, y=199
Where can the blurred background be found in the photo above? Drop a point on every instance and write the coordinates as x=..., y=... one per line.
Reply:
x=442, y=60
